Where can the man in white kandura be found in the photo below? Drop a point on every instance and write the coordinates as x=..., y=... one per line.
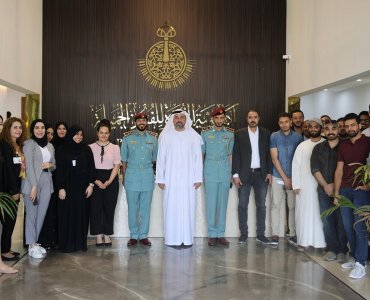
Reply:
x=179, y=174
x=309, y=226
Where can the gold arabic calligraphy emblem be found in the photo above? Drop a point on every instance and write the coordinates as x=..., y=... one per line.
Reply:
x=165, y=65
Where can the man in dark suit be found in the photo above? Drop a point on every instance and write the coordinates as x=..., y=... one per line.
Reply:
x=252, y=167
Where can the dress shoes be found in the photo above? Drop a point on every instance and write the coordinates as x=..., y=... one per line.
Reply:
x=108, y=244
x=146, y=242
x=131, y=242
x=222, y=241
x=212, y=242
x=14, y=258
x=99, y=245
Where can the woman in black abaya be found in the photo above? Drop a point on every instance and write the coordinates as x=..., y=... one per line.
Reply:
x=75, y=177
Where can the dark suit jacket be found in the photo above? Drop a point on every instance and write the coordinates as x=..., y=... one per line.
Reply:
x=242, y=153
x=12, y=184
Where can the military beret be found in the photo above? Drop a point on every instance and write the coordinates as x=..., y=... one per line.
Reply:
x=141, y=116
x=218, y=111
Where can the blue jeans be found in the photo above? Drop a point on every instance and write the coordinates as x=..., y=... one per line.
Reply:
x=260, y=189
x=357, y=235
x=335, y=235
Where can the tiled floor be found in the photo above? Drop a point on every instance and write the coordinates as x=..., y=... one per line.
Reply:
x=251, y=271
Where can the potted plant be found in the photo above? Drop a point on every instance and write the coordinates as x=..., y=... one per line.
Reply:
x=7, y=205
x=362, y=174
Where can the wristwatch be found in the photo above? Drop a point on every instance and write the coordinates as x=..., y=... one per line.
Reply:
x=91, y=184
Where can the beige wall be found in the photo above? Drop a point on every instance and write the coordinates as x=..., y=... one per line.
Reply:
x=21, y=44
x=328, y=40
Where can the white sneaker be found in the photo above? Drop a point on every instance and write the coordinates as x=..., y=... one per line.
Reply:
x=35, y=252
x=350, y=264
x=41, y=249
x=358, y=271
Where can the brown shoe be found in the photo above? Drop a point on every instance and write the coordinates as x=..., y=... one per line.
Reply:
x=223, y=241
x=212, y=242
x=146, y=242
x=131, y=242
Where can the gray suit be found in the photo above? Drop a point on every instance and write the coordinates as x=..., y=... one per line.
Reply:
x=36, y=177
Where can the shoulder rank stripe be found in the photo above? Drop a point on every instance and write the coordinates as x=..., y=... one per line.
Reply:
x=128, y=133
x=229, y=129
x=152, y=133
x=207, y=128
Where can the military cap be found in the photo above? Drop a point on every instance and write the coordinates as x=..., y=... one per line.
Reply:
x=141, y=116
x=218, y=111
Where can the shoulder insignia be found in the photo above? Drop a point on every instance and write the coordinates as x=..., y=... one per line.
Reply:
x=152, y=133
x=229, y=129
x=128, y=133
x=207, y=128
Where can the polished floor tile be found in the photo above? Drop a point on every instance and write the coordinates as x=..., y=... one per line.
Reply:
x=251, y=271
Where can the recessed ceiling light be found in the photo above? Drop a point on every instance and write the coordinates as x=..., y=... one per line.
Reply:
x=359, y=80
x=325, y=90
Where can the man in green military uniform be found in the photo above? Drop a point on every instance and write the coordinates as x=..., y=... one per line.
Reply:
x=139, y=152
x=217, y=149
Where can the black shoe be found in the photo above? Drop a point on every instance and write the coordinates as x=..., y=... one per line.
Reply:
x=293, y=239
x=99, y=245
x=264, y=240
x=14, y=258
x=15, y=253
x=108, y=244
x=243, y=239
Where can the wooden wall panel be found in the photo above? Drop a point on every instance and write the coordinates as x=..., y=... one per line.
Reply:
x=91, y=49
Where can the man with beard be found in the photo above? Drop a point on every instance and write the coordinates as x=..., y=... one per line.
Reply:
x=282, y=146
x=351, y=153
x=364, y=120
x=367, y=130
x=342, y=129
x=139, y=152
x=218, y=143
x=297, y=119
x=323, y=164
x=252, y=167
x=307, y=212
x=179, y=174
x=306, y=134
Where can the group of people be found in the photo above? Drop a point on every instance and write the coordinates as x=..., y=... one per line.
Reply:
x=56, y=175
x=307, y=163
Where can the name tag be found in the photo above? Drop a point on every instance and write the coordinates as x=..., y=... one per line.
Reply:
x=73, y=162
x=17, y=160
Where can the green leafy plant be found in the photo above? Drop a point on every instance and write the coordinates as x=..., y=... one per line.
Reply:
x=7, y=205
x=362, y=175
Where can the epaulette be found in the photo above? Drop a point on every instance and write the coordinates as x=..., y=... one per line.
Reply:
x=207, y=128
x=128, y=133
x=152, y=133
x=229, y=129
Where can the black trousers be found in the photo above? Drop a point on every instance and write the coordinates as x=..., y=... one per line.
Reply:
x=8, y=228
x=103, y=204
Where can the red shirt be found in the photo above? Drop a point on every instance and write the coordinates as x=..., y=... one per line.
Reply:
x=349, y=153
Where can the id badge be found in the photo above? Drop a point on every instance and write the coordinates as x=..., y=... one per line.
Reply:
x=73, y=162
x=17, y=160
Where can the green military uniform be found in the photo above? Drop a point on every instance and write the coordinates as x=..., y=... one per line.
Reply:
x=139, y=151
x=217, y=148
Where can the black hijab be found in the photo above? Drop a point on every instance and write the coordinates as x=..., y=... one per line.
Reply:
x=72, y=146
x=42, y=142
x=58, y=141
